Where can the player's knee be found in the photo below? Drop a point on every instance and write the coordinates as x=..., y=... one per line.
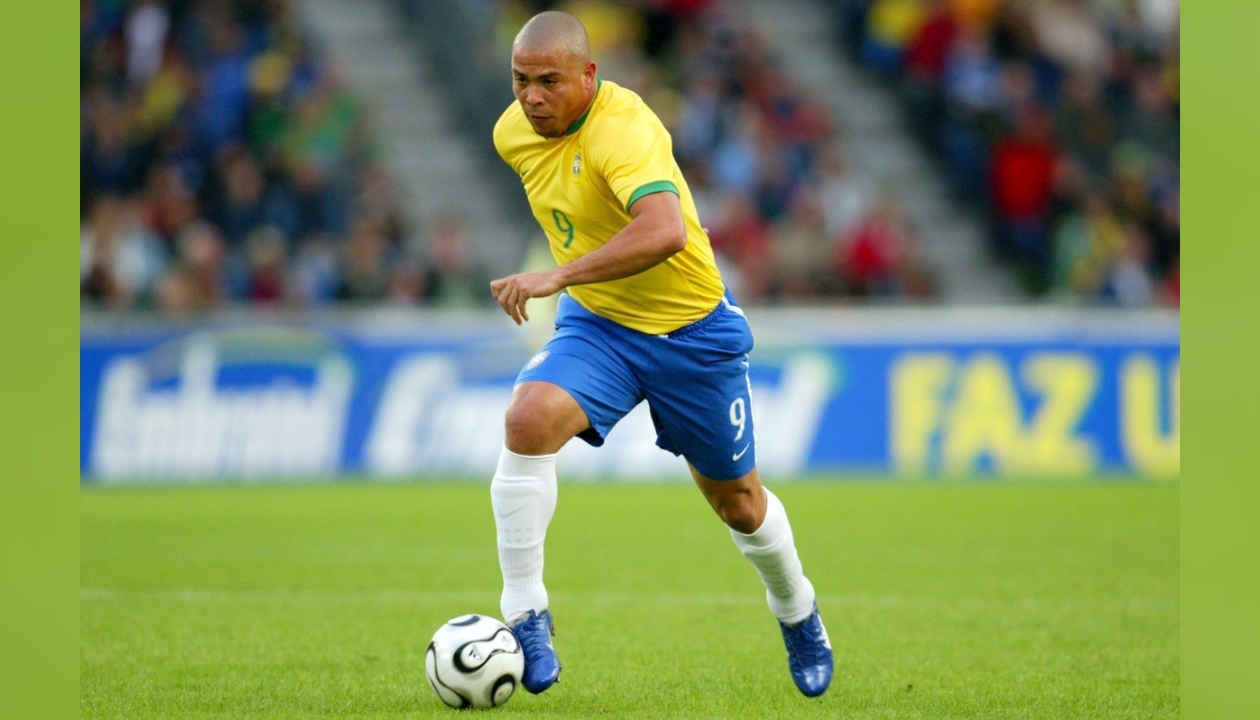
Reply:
x=526, y=430
x=541, y=418
x=739, y=511
x=534, y=425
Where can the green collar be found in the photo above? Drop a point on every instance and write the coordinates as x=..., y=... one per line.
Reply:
x=577, y=124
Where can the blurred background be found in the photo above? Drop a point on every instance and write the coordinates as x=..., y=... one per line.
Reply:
x=955, y=222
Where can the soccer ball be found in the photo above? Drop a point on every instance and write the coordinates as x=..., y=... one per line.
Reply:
x=474, y=661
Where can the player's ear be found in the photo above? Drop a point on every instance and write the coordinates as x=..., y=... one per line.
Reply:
x=588, y=75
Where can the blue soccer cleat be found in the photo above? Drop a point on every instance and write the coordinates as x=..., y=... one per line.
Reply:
x=542, y=667
x=809, y=654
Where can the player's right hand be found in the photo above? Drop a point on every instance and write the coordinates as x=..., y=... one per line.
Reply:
x=513, y=291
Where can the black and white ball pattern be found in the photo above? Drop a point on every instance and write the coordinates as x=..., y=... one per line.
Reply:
x=474, y=661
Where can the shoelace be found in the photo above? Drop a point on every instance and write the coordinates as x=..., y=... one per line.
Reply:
x=804, y=647
x=533, y=637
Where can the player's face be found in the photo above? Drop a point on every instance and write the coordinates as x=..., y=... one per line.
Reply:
x=553, y=88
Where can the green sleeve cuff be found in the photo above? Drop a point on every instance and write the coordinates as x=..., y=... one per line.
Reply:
x=652, y=187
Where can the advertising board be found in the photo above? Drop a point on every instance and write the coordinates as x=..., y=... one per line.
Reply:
x=967, y=393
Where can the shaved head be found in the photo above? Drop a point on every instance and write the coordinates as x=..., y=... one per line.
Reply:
x=552, y=73
x=554, y=32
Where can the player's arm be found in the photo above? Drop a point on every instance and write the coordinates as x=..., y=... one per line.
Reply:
x=654, y=233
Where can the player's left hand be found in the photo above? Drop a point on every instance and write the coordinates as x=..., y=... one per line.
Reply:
x=514, y=290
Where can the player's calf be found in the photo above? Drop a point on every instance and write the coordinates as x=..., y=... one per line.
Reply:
x=790, y=595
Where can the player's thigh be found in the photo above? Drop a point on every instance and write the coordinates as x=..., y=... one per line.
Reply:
x=584, y=369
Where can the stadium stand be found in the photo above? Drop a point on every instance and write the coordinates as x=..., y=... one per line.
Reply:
x=224, y=160
x=1060, y=119
x=229, y=158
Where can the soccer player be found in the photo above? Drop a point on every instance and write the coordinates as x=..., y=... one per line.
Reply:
x=645, y=316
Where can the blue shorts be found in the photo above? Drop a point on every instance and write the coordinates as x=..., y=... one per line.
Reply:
x=695, y=380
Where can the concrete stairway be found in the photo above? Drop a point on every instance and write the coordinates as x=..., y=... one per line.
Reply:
x=951, y=238
x=436, y=171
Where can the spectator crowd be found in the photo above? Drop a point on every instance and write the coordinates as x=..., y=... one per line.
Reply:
x=788, y=218
x=222, y=160
x=1059, y=118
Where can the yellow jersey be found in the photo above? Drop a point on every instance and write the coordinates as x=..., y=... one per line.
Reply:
x=581, y=187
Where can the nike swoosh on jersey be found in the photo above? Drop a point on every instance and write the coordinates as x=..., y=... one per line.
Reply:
x=740, y=454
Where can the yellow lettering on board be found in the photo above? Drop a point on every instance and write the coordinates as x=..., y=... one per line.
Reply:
x=985, y=419
x=1067, y=383
x=1148, y=448
x=918, y=388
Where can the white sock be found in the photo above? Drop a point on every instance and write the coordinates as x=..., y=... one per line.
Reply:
x=773, y=553
x=523, y=494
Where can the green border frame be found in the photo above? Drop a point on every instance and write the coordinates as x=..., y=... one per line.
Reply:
x=39, y=528
x=1220, y=584
x=38, y=490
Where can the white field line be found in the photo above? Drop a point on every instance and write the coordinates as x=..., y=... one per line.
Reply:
x=206, y=596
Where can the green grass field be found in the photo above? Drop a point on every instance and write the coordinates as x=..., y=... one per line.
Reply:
x=942, y=601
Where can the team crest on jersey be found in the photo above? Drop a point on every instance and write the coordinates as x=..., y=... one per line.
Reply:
x=537, y=360
x=577, y=164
